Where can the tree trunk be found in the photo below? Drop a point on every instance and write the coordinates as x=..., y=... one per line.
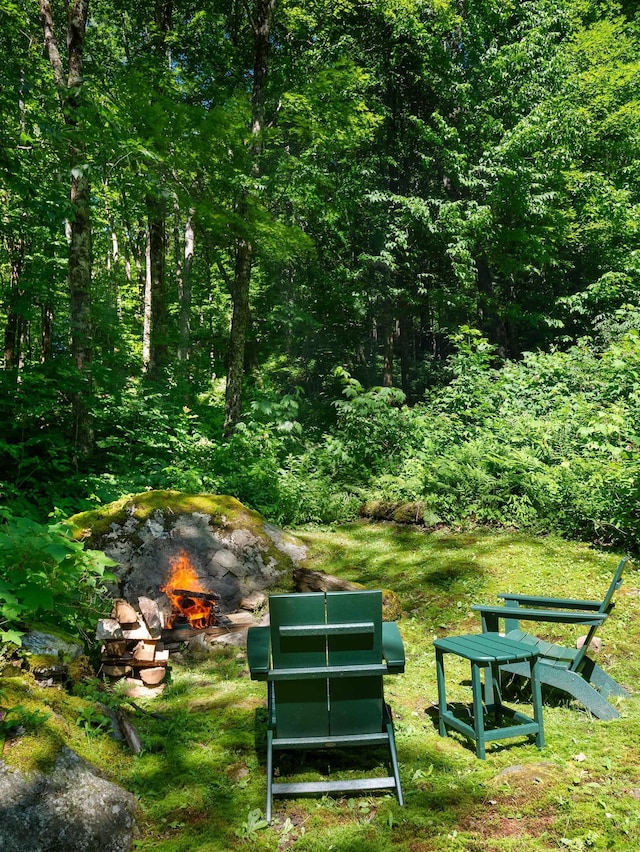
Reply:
x=158, y=345
x=244, y=248
x=184, y=295
x=387, y=365
x=69, y=87
x=15, y=321
x=237, y=341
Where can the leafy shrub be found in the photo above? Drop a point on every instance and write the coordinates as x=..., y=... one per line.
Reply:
x=47, y=576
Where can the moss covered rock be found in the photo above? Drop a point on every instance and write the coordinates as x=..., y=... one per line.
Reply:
x=232, y=550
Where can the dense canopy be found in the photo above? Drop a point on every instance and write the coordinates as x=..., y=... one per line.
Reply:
x=314, y=253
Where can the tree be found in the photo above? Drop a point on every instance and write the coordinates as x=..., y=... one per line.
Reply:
x=69, y=85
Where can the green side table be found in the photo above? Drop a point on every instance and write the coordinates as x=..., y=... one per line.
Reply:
x=489, y=652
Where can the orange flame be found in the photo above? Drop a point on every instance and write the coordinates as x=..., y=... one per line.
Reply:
x=182, y=577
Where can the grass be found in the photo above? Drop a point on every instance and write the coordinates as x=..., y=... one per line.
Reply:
x=201, y=778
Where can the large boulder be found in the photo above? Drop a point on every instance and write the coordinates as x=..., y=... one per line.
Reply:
x=71, y=808
x=231, y=548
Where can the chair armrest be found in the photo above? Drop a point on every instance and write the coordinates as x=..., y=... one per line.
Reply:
x=258, y=644
x=492, y=614
x=392, y=647
x=559, y=603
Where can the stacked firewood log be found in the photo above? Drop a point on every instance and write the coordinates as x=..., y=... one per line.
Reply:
x=132, y=644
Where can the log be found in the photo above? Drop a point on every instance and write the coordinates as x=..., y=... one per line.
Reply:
x=108, y=628
x=124, y=612
x=116, y=671
x=201, y=596
x=129, y=732
x=305, y=580
x=145, y=650
x=114, y=647
x=151, y=614
x=153, y=676
x=138, y=632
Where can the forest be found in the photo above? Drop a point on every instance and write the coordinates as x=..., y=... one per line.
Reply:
x=328, y=257
x=371, y=268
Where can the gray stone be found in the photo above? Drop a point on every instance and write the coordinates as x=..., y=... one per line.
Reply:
x=71, y=809
x=41, y=642
x=229, y=555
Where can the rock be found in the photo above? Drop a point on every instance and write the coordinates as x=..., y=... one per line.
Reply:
x=43, y=643
x=232, y=550
x=72, y=809
x=594, y=646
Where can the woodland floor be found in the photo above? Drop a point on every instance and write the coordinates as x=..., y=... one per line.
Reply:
x=201, y=777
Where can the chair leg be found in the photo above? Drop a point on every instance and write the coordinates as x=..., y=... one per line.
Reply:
x=394, y=762
x=536, y=697
x=600, y=680
x=269, y=774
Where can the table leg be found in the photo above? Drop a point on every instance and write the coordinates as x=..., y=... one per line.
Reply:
x=442, y=695
x=478, y=715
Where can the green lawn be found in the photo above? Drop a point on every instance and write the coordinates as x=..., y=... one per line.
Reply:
x=201, y=779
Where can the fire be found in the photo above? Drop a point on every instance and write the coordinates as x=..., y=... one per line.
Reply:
x=191, y=603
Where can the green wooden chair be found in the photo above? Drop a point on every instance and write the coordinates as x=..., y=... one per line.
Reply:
x=324, y=656
x=568, y=669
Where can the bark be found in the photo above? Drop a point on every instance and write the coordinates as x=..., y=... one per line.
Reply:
x=184, y=293
x=158, y=347
x=405, y=328
x=47, y=331
x=237, y=341
x=387, y=367
x=69, y=86
x=15, y=322
x=244, y=249
x=146, y=310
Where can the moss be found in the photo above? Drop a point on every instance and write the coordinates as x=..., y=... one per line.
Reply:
x=224, y=511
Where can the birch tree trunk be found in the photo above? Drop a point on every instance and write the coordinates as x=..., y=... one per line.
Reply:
x=184, y=295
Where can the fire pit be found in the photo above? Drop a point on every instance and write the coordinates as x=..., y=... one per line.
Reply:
x=191, y=604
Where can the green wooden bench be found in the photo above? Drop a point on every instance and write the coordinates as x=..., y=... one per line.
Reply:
x=324, y=657
x=568, y=669
x=486, y=653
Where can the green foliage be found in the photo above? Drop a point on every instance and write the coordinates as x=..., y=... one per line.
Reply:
x=20, y=717
x=92, y=721
x=47, y=576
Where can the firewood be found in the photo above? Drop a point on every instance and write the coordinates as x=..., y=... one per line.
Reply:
x=151, y=614
x=201, y=596
x=138, y=665
x=138, y=632
x=238, y=620
x=253, y=601
x=117, y=660
x=129, y=732
x=114, y=647
x=124, y=612
x=145, y=650
x=116, y=671
x=152, y=676
x=108, y=628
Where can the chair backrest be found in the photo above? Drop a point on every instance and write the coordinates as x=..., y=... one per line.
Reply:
x=326, y=653
x=605, y=607
x=607, y=603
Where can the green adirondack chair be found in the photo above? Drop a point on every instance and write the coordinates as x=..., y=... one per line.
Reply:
x=324, y=656
x=568, y=669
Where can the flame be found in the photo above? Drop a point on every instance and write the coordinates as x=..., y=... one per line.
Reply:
x=182, y=577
